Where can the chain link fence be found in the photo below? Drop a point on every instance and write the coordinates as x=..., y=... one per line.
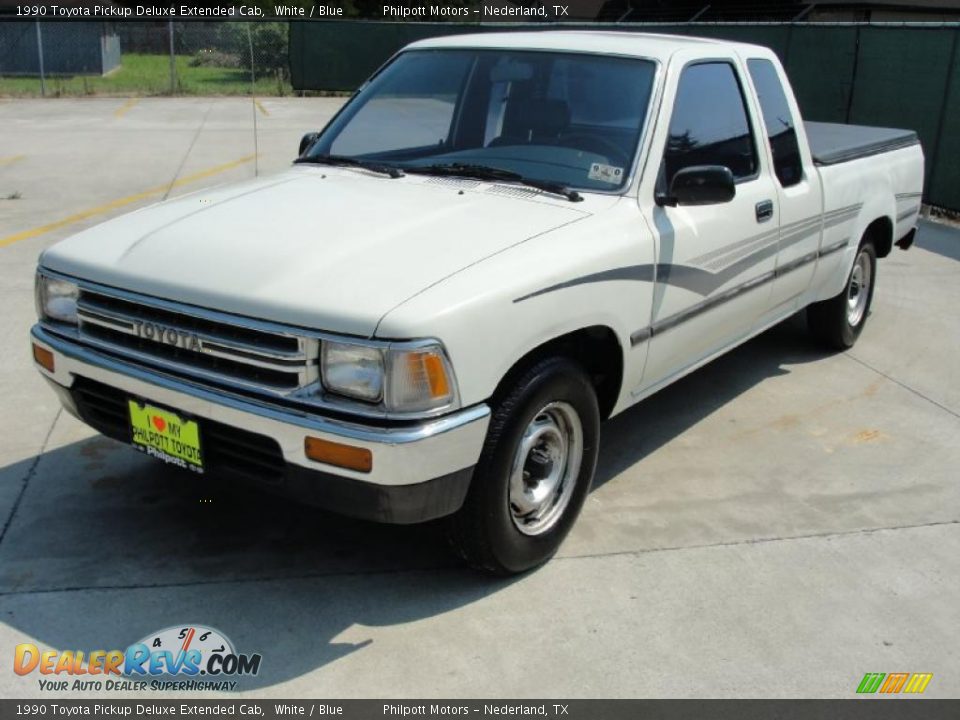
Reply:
x=905, y=75
x=75, y=59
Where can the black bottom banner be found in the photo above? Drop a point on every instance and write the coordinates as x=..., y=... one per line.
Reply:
x=853, y=709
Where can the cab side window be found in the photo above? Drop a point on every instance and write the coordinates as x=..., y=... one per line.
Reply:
x=710, y=124
x=778, y=119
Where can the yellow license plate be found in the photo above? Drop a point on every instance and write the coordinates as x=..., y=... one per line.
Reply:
x=166, y=436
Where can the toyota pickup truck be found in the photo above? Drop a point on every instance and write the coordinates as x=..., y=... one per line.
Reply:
x=498, y=242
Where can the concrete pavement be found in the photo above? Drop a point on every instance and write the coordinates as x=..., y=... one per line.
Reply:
x=776, y=524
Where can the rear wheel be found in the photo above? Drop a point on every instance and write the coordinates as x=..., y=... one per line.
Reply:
x=534, y=472
x=838, y=321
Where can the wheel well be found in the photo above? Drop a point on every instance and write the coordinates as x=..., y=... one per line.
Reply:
x=595, y=348
x=880, y=232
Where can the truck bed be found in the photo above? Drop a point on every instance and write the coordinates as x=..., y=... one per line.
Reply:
x=832, y=143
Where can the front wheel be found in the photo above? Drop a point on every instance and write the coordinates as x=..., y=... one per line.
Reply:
x=534, y=473
x=838, y=321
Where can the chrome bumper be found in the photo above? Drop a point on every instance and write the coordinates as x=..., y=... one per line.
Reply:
x=402, y=455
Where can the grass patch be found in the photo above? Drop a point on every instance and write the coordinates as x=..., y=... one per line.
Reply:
x=149, y=75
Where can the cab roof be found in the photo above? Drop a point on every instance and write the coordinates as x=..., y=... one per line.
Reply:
x=608, y=42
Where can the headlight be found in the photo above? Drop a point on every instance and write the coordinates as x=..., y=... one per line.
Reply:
x=353, y=370
x=56, y=299
x=407, y=379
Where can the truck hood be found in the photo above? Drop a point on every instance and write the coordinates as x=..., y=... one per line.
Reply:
x=324, y=248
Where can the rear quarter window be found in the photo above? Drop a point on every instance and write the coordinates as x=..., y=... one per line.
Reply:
x=778, y=121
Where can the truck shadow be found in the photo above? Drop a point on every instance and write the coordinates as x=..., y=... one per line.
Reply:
x=939, y=238
x=107, y=547
x=629, y=437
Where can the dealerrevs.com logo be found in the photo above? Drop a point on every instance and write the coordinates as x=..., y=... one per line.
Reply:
x=182, y=657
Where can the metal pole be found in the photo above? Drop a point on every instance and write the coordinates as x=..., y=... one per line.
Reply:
x=253, y=106
x=173, y=63
x=43, y=79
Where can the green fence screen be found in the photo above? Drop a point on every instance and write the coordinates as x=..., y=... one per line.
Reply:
x=886, y=75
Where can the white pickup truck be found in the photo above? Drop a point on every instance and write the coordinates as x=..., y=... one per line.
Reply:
x=498, y=242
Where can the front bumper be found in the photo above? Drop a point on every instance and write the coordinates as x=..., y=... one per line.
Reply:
x=420, y=471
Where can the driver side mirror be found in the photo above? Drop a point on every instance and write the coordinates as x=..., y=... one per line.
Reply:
x=700, y=185
x=307, y=140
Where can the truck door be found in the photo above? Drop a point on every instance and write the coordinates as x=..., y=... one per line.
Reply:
x=797, y=186
x=714, y=261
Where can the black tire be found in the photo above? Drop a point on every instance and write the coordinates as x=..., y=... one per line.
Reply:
x=483, y=531
x=830, y=320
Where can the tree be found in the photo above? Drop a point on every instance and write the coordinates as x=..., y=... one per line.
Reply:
x=270, y=47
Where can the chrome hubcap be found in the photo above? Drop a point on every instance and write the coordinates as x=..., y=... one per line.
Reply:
x=545, y=468
x=858, y=291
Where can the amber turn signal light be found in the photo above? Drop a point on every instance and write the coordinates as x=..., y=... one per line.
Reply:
x=345, y=456
x=43, y=357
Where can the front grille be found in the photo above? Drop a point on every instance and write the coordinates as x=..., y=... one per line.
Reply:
x=226, y=449
x=219, y=348
x=232, y=369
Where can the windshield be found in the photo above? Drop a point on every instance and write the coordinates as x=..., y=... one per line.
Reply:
x=564, y=118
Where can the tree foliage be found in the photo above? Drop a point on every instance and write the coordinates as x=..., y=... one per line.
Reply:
x=270, y=51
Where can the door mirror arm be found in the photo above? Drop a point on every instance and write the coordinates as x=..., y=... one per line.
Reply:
x=664, y=200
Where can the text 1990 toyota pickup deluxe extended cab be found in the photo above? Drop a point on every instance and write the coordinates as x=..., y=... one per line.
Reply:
x=498, y=242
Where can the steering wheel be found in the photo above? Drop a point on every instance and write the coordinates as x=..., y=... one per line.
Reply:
x=597, y=144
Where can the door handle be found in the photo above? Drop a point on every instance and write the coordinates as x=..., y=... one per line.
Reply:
x=764, y=210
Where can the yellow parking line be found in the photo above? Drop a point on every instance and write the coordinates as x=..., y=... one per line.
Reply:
x=120, y=202
x=260, y=107
x=11, y=159
x=122, y=110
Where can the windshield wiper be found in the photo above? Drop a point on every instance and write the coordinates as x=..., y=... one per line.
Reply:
x=480, y=172
x=344, y=161
x=552, y=187
x=487, y=172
